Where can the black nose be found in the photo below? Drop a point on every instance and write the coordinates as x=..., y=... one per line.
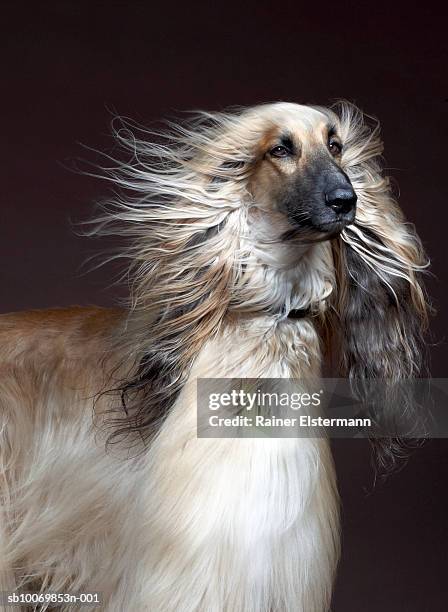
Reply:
x=341, y=200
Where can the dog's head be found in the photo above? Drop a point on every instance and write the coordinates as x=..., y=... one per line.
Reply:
x=241, y=210
x=298, y=171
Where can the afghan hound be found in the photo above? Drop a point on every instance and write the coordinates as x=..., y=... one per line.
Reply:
x=259, y=240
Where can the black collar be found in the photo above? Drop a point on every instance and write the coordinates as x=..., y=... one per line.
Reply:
x=299, y=313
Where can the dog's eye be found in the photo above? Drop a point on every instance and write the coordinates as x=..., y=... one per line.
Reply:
x=335, y=147
x=279, y=151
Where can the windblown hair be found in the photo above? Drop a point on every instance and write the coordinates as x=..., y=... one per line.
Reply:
x=245, y=262
x=184, y=197
x=381, y=303
x=181, y=208
x=381, y=307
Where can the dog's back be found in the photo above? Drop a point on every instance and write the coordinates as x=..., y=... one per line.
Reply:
x=59, y=333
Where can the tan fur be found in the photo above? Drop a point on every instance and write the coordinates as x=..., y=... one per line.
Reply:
x=67, y=514
x=97, y=493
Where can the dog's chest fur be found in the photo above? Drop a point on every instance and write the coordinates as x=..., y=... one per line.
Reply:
x=241, y=525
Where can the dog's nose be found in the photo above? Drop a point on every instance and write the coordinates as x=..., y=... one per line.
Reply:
x=341, y=200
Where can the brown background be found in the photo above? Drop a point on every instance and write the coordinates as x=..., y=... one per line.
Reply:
x=66, y=65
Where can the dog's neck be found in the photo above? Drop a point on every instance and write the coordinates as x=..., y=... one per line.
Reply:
x=294, y=289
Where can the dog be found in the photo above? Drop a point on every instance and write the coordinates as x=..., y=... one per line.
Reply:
x=260, y=240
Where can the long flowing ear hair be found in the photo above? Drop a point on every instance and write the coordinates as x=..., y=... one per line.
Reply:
x=178, y=204
x=380, y=306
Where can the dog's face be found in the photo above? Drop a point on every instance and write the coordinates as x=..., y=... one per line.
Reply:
x=299, y=173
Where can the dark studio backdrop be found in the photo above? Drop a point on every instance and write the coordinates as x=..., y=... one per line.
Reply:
x=65, y=65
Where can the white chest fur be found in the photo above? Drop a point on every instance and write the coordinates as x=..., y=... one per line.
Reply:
x=241, y=525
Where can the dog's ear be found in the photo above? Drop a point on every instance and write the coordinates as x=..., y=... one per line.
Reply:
x=191, y=299
x=379, y=260
x=381, y=306
x=379, y=313
x=378, y=332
